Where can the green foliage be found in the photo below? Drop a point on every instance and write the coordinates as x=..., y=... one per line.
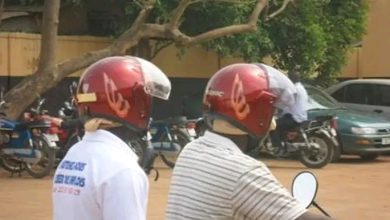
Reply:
x=312, y=37
x=309, y=36
x=319, y=35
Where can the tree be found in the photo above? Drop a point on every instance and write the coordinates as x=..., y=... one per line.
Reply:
x=47, y=75
x=312, y=37
x=252, y=29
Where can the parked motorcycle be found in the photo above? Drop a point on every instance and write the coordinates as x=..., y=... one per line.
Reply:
x=304, y=189
x=26, y=145
x=169, y=136
x=67, y=125
x=313, y=142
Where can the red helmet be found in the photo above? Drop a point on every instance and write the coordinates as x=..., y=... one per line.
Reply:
x=121, y=89
x=240, y=94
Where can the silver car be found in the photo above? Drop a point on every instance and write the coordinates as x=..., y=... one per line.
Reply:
x=368, y=95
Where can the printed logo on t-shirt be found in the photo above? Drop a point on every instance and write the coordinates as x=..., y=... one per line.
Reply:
x=70, y=184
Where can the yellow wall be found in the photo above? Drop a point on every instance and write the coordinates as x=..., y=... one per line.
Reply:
x=23, y=49
x=19, y=52
x=371, y=60
x=3, y=54
x=195, y=63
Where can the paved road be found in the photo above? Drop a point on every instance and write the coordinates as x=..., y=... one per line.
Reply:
x=351, y=189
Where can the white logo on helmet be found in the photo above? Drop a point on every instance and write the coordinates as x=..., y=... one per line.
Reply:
x=238, y=100
x=115, y=100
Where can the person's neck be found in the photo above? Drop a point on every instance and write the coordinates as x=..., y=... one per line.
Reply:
x=240, y=140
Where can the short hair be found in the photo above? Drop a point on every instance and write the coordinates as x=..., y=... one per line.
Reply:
x=294, y=76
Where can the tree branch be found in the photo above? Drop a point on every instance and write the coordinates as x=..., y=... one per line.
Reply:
x=166, y=31
x=46, y=78
x=121, y=44
x=178, y=13
x=280, y=10
x=160, y=47
x=125, y=41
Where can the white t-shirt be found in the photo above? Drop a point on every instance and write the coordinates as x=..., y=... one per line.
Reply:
x=299, y=109
x=100, y=179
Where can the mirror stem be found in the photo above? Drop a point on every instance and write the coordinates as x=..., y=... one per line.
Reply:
x=318, y=207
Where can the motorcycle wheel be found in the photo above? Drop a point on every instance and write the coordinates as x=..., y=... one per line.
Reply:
x=43, y=167
x=11, y=165
x=316, y=158
x=182, y=138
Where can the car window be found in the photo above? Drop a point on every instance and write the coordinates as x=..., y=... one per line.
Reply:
x=321, y=100
x=339, y=95
x=382, y=95
x=360, y=94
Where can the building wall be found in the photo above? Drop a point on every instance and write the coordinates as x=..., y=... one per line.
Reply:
x=19, y=54
x=371, y=60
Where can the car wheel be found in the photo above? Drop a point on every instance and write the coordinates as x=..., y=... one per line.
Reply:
x=369, y=157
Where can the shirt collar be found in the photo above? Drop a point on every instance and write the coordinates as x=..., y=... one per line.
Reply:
x=221, y=141
x=106, y=136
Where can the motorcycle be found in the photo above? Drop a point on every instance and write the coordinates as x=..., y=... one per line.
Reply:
x=67, y=125
x=304, y=188
x=169, y=136
x=25, y=145
x=313, y=142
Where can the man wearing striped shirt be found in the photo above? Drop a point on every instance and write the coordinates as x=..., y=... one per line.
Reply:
x=213, y=178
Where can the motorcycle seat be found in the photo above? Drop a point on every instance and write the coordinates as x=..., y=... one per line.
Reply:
x=38, y=124
x=323, y=118
x=178, y=120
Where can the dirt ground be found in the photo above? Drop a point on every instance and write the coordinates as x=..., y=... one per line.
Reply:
x=351, y=189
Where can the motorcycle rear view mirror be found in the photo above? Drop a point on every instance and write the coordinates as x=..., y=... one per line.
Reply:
x=304, y=188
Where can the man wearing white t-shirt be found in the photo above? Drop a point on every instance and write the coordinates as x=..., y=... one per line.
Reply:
x=293, y=115
x=99, y=178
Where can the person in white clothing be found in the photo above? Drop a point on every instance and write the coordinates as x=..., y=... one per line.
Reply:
x=99, y=178
x=213, y=178
x=293, y=115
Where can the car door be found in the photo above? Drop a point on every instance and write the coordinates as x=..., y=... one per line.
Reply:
x=382, y=100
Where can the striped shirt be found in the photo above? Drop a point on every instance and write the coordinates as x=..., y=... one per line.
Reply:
x=213, y=179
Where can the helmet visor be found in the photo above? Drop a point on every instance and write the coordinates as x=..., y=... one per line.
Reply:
x=157, y=83
x=281, y=86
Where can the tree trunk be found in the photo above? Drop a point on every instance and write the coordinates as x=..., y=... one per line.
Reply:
x=23, y=94
x=49, y=75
